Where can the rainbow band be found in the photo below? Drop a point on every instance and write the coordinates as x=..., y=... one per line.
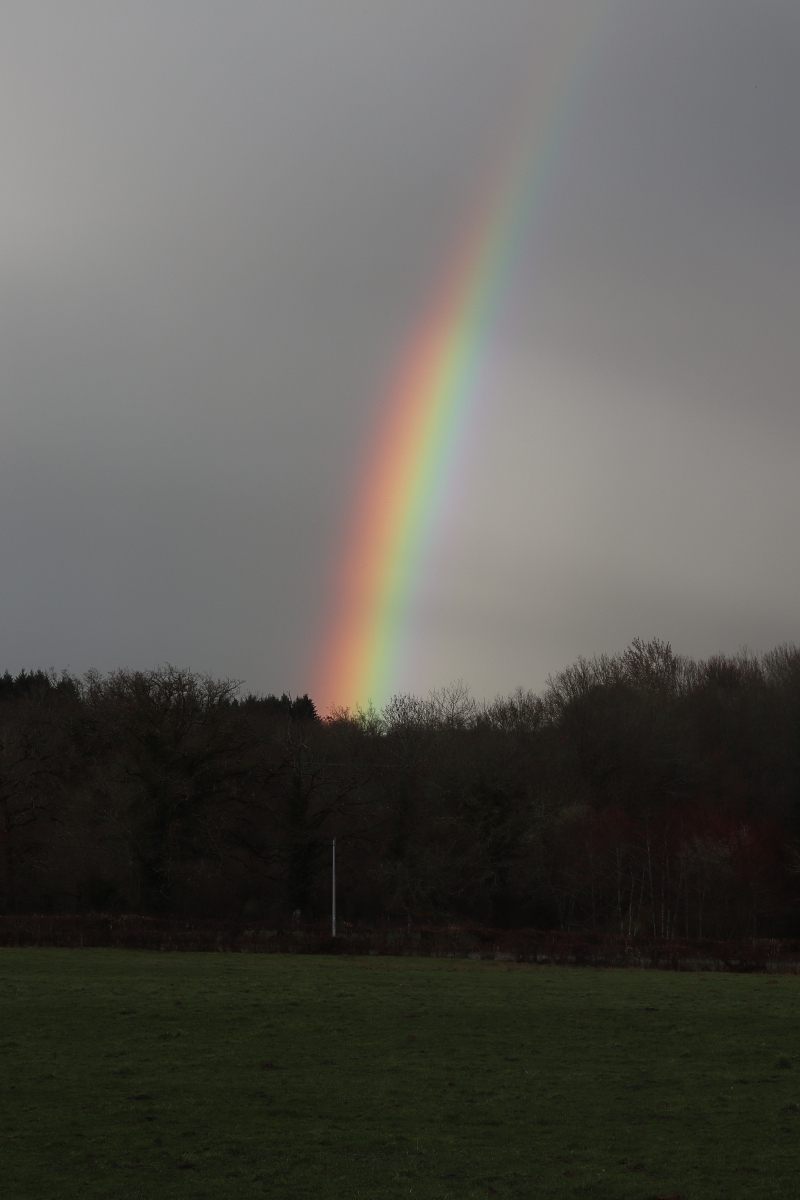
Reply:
x=412, y=460
x=411, y=465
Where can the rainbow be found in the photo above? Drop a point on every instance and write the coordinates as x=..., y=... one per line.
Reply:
x=423, y=420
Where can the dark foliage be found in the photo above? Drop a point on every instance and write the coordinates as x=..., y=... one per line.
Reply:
x=475, y=942
x=300, y=709
x=639, y=796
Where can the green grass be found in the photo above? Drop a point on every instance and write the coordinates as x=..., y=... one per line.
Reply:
x=134, y=1074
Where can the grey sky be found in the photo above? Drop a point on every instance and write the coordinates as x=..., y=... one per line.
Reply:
x=219, y=222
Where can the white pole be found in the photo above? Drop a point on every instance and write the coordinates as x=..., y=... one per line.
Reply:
x=333, y=897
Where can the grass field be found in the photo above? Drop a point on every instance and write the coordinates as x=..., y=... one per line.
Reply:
x=137, y=1074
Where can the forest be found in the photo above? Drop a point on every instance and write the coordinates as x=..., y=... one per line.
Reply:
x=643, y=793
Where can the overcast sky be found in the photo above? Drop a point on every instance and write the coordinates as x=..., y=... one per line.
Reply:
x=220, y=223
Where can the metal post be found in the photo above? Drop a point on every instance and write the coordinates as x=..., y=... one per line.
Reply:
x=333, y=897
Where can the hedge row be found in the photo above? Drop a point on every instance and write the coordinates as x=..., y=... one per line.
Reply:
x=468, y=941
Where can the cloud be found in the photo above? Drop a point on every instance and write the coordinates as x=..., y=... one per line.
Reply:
x=220, y=223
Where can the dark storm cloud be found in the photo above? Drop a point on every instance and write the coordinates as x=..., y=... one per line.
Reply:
x=681, y=200
x=652, y=439
x=219, y=222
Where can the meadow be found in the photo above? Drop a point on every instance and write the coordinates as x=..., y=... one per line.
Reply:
x=138, y=1074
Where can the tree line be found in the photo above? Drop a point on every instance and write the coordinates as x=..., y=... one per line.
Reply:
x=640, y=793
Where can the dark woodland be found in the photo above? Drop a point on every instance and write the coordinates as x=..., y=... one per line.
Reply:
x=642, y=794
